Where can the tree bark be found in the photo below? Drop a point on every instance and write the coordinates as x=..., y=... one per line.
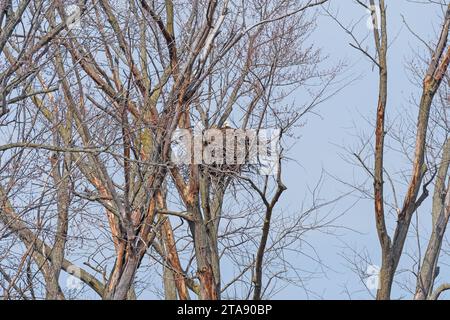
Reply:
x=441, y=214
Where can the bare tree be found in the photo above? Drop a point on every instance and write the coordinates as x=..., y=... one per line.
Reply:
x=124, y=84
x=417, y=181
x=23, y=31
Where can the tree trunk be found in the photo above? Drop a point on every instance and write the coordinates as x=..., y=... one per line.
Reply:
x=204, y=257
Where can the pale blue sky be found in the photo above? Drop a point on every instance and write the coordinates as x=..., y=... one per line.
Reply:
x=325, y=136
x=341, y=119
